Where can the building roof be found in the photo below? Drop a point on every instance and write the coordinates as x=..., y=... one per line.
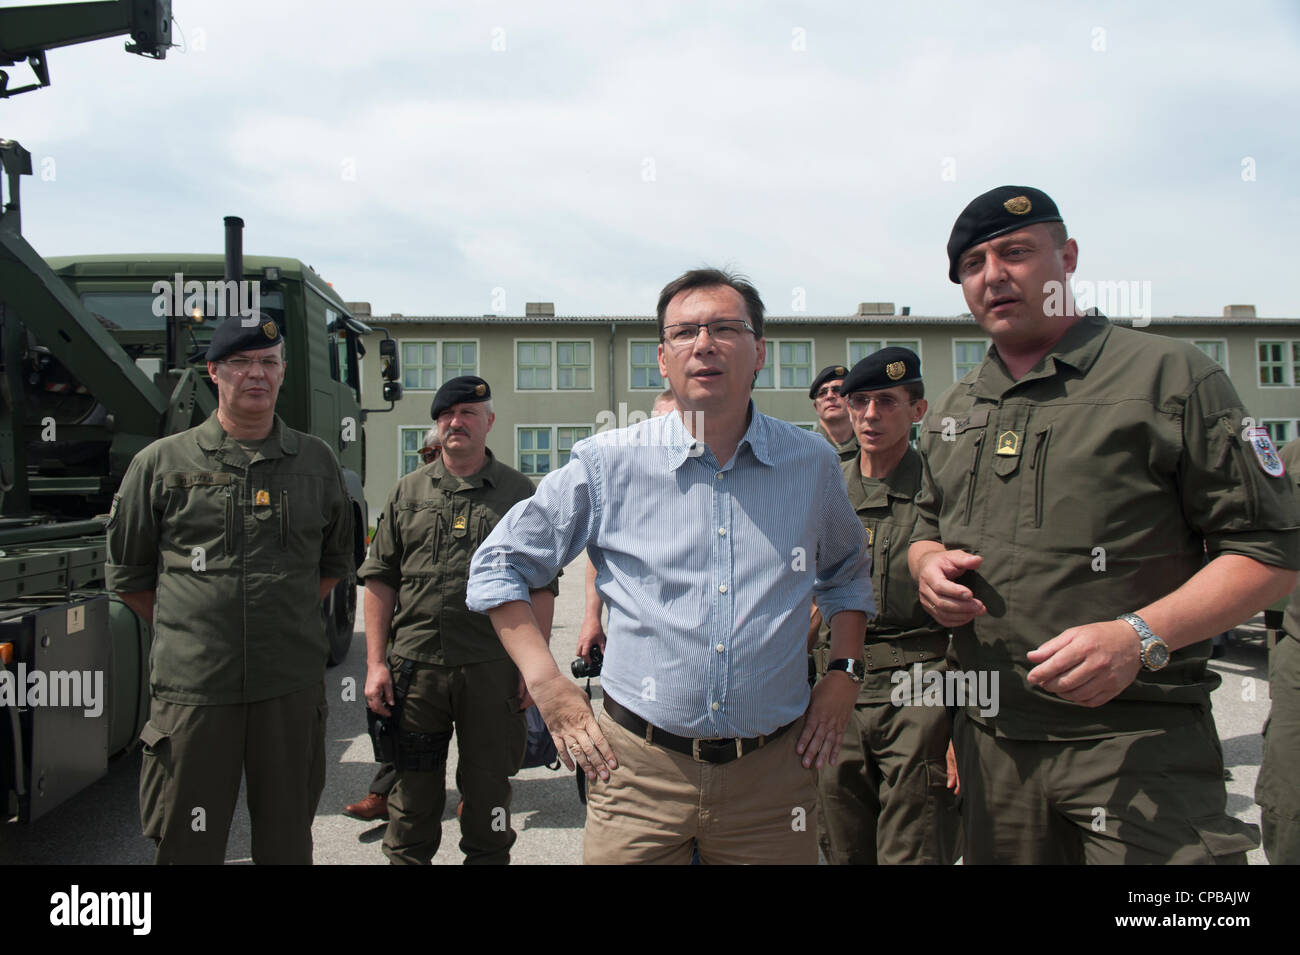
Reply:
x=846, y=320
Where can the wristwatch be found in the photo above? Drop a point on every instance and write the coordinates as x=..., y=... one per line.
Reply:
x=852, y=667
x=1154, y=652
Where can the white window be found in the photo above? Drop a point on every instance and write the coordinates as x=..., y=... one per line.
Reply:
x=643, y=366
x=1281, y=430
x=421, y=369
x=553, y=365
x=1278, y=363
x=967, y=353
x=543, y=448
x=410, y=440
x=860, y=348
x=788, y=362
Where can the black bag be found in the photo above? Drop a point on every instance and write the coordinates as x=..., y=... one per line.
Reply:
x=541, y=748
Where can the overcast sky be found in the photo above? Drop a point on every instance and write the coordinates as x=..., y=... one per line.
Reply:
x=422, y=155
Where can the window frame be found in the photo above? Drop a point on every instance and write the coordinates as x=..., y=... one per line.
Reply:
x=554, y=450
x=439, y=374
x=402, y=452
x=774, y=363
x=654, y=344
x=958, y=376
x=555, y=365
x=884, y=343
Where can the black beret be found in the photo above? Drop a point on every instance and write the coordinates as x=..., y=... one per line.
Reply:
x=883, y=369
x=829, y=373
x=467, y=389
x=258, y=330
x=997, y=212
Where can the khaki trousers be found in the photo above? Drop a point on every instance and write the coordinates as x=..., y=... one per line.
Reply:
x=1157, y=798
x=759, y=809
x=1278, y=788
x=194, y=757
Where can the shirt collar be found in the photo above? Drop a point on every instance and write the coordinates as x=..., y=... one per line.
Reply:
x=281, y=441
x=447, y=481
x=1078, y=348
x=681, y=444
x=901, y=482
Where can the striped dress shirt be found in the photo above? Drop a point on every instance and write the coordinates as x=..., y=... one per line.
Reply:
x=708, y=572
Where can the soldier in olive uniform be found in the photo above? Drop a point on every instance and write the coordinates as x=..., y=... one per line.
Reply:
x=832, y=416
x=448, y=667
x=1072, y=483
x=886, y=801
x=227, y=537
x=1278, y=788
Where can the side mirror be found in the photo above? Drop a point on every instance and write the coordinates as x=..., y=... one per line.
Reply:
x=388, y=365
x=392, y=391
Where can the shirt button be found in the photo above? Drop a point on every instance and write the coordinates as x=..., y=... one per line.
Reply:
x=720, y=648
x=722, y=532
x=719, y=475
x=722, y=588
x=717, y=706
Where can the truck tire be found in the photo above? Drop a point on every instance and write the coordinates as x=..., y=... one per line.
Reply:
x=339, y=610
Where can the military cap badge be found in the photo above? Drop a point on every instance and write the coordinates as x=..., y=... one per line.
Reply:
x=480, y=390
x=268, y=329
x=1018, y=205
x=895, y=370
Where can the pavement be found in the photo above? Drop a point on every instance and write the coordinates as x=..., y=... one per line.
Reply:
x=101, y=825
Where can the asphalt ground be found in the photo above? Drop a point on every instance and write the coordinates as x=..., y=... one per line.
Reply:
x=101, y=825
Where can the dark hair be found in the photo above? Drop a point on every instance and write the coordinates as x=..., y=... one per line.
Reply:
x=1057, y=231
x=712, y=278
x=915, y=390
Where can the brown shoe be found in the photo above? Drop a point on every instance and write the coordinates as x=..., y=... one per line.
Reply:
x=374, y=806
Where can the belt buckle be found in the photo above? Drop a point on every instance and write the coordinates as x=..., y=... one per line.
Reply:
x=715, y=741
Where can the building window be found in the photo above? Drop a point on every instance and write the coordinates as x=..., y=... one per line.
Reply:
x=535, y=450
x=411, y=440
x=1215, y=348
x=534, y=362
x=860, y=348
x=1279, y=363
x=644, y=359
x=789, y=362
x=420, y=366
x=459, y=358
x=544, y=448
x=573, y=361
x=967, y=355
x=565, y=439
x=1279, y=430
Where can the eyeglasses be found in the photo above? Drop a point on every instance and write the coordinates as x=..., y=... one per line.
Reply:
x=827, y=392
x=859, y=400
x=724, y=333
x=241, y=366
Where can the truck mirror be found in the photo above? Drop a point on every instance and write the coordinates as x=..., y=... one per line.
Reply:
x=388, y=365
x=392, y=391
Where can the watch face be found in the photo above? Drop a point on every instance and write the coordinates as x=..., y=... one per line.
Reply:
x=1157, y=655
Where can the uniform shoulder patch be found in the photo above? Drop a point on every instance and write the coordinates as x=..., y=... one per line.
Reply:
x=1265, y=453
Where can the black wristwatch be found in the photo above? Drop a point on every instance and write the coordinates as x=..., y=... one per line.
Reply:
x=852, y=667
x=1154, y=651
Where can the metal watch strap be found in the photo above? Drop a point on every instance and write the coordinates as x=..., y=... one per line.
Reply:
x=1146, y=637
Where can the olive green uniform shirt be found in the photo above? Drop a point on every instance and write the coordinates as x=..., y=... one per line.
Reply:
x=431, y=527
x=235, y=548
x=848, y=451
x=1290, y=456
x=1089, y=487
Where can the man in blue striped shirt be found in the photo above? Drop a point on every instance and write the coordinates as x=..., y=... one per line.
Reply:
x=711, y=529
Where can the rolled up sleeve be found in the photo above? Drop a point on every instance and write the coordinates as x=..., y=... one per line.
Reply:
x=538, y=536
x=843, y=561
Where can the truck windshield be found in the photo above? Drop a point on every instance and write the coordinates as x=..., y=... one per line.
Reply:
x=135, y=311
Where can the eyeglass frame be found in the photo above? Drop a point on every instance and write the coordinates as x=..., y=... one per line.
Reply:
x=664, y=339
x=870, y=397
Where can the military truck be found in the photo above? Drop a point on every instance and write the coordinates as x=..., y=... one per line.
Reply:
x=99, y=356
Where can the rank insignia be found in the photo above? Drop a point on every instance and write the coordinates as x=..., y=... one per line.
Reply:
x=895, y=370
x=460, y=523
x=262, y=498
x=871, y=536
x=268, y=329
x=1262, y=444
x=1008, y=444
x=1018, y=205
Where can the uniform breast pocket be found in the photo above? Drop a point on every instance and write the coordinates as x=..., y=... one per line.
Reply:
x=955, y=448
x=200, y=520
x=300, y=518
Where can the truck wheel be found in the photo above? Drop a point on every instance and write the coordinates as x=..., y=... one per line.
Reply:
x=339, y=610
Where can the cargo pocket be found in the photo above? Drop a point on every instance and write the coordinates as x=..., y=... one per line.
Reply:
x=155, y=779
x=1226, y=840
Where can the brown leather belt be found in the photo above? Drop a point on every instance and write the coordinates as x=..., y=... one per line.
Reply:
x=718, y=751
